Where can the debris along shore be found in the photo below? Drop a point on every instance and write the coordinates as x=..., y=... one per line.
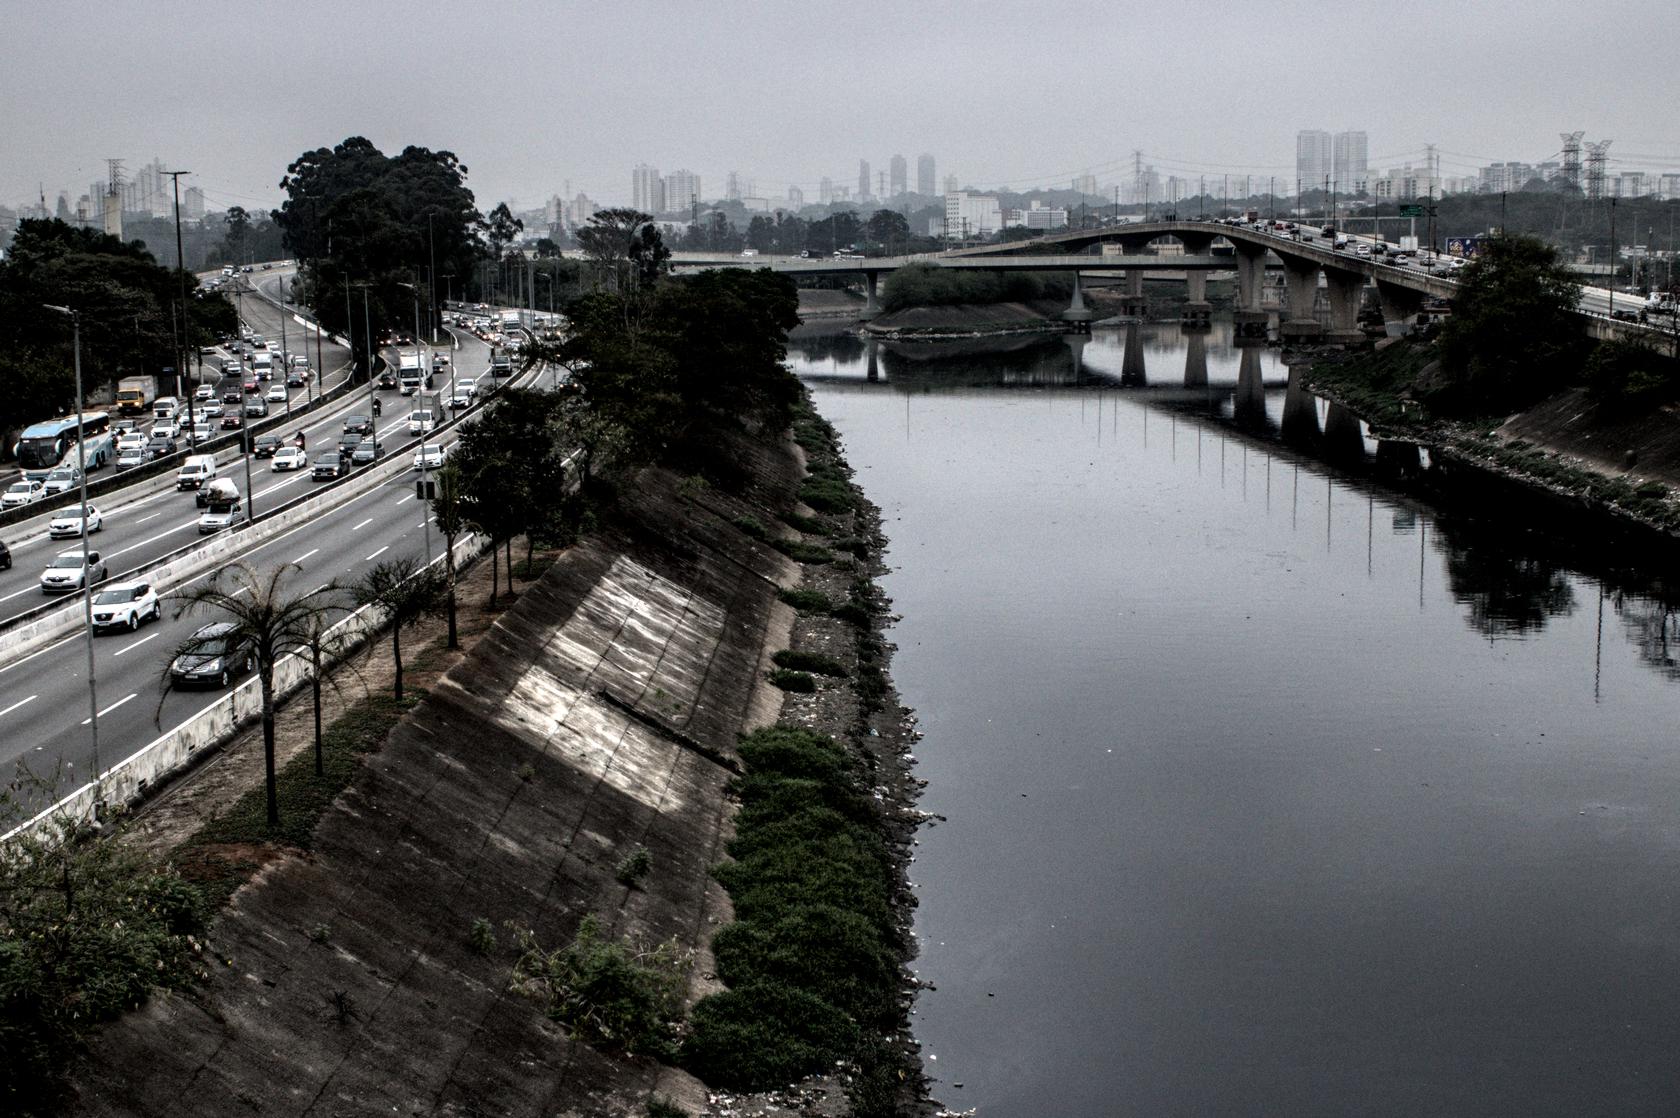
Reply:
x=559, y=800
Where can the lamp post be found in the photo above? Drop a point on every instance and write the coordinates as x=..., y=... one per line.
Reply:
x=87, y=575
x=181, y=267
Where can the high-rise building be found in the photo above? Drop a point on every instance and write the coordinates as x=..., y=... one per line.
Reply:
x=192, y=204
x=682, y=191
x=950, y=184
x=972, y=215
x=864, y=185
x=1085, y=184
x=925, y=180
x=796, y=197
x=1348, y=171
x=825, y=191
x=732, y=187
x=647, y=189
x=898, y=179
x=1313, y=159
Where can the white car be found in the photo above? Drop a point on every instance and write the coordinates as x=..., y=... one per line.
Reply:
x=132, y=457
x=68, y=523
x=429, y=457
x=289, y=458
x=21, y=493
x=131, y=440
x=220, y=515
x=168, y=428
x=62, y=479
x=204, y=392
x=276, y=394
x=66, y=573
x=211, y=410
x=421, y=422
x=125, y=605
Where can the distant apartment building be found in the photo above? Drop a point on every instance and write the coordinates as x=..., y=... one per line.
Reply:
x=1085, y=184
x=972, y=215
x=580, y=209
x=755, y=205
x=1349, y=173
x=1502, y=178
x=898, y=176
x=192, y=204
x=1630, y=184
x=647, y=189
x=795, y=198
x=1405, y=183
x=864, y=185
x=925, y=181
x=825, y=191
x=682, y=190
x=951, y=184
x=732, y=189
x=1314, y=157
x=1668, y=186
x=1038, y=216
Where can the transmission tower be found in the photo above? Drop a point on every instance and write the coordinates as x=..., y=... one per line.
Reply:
x=1572, y=158
x=1596, y=152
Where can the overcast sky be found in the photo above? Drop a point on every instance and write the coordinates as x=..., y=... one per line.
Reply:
x=534, y=95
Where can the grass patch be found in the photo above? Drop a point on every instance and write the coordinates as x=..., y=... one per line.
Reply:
x=799, y=661
x=812, y=960
x=806, y=601
x=481, y=937
x=751, y=526
x=634, y=867
x=660, y=1107
x=303, y=796
x=853, y=613
x=827, y=494
x=810, y=525
x=608, y=993
x=800, y=682
x=801, y=552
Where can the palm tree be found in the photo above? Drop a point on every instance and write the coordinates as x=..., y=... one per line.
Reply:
x=268, y=620
x=406, y=590
x=451, y=521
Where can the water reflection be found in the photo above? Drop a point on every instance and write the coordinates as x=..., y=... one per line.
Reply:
x=1506, y=593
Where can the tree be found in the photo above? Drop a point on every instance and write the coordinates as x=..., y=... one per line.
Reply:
x=264, y=616
x=888, y=226
x=502, y=229
x=1512, y=338
x=238, y=224
x=405, y=590
x=451, y=521
x=625, y=248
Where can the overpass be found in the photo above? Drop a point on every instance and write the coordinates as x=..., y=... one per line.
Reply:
x=1401, y=289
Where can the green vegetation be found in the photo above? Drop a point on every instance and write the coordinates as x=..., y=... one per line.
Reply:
x=1379, y=385
x=924, y=285
x=805, y=601
x=1648, y=501
x=801, y=552
x=827, y=492
x=481, y=937
x=660, y=1107
x=88, y=929
x=634, y=867
x=810, y=525
x=1511, y=339
x=1631, y=377
x=809, y=662
x=812, y=960
x=608, y=993
x=799, y=682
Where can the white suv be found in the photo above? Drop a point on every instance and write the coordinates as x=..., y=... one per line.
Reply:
x=125, y=605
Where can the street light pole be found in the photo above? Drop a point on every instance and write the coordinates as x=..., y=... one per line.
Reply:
x=181, y=266
x=87, y=575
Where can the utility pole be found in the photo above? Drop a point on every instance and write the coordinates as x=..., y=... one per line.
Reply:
x=181, y=266
x=1612, y=257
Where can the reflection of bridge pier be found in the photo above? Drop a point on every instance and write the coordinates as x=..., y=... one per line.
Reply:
x=1131, y=363
x=1398, y=459
x=874, y=360
x=1300, y=411
x=1248, y=403
x=1342, y=440
x=1195, y=355
x=1076, y=351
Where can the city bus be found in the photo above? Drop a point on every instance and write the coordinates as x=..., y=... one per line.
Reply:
x=44, y=446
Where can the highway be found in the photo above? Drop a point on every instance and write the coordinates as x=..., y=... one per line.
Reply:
x=44, y=703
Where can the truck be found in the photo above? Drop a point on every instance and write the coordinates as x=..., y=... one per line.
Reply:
x=509, y=321
x=134, y=393
x=412, y=375
x=501, y=364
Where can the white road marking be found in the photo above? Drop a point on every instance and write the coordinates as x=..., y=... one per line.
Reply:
x=17, y=593
x=306, y=555
x=21, y=702
x=362, y=525
x=377, y=554
x=136, y=644
x=112, y=707
x=154, y=539
x=143, y=519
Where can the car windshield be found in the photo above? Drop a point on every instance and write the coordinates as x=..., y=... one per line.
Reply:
x=61, y=475
x=20, y=487
x=67, y=561
x=74, y=514
x=116, y=597
x=214, y=646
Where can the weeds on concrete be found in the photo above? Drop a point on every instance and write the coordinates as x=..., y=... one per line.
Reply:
x=801, y=552
x=801, y=683
x=660, y=1107
x=751, y=526
x=634, y=867
x=481, y=937
x=810, y=525
x=800, y=661
x=608, y=993
x=806, y=601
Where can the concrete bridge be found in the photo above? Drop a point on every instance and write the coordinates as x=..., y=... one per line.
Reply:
x=1401, y=289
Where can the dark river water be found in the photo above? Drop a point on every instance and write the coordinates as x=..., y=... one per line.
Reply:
x=1269, y=790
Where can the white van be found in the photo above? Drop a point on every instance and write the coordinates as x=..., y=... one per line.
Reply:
x=165, y=407
x=195, y=471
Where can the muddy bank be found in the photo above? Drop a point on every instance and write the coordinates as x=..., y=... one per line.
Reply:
x=598, y=717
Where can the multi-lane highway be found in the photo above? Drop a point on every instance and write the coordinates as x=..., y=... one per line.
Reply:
x=44, y=701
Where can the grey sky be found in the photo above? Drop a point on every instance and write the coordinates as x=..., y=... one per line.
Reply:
x=532, y=95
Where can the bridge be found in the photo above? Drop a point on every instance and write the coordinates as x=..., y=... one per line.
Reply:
x=1401, y=289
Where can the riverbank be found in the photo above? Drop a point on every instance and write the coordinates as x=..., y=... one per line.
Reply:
x=1622, y=468
x=572, y=775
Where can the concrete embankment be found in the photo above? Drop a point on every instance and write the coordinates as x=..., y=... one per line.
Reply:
x=598, y=716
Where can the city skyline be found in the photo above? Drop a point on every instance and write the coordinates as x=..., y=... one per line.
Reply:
x=991, y=134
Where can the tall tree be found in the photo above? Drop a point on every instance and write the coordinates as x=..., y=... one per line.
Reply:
x=266, y=617
x=405, y=590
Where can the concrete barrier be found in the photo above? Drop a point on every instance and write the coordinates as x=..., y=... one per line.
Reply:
x=131, y=779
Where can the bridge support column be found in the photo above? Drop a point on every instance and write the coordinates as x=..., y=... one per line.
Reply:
x=1131, y=361
x=1196, y=309
x=1195, y=357
x=1342, y=438
x=1302, y=277
x=1346, y=290
x=1077, y=312
x=1400, y=306
x=1248, y=319
x=871, y=303
x=1132, y=304
x=1300, y=411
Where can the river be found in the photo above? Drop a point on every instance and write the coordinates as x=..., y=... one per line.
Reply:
x=1267, y=788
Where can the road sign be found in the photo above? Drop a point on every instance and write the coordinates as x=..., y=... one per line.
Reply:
x=1411, y=211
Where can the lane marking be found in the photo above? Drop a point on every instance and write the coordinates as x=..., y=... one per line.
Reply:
x=377, y=554
x=362, y=525
x=154, y=539
x=306, y=555
x=136, y=644
x=21, y=702
x=410, y=497
x=17, y=593
x=113, y=706
x=143, y=519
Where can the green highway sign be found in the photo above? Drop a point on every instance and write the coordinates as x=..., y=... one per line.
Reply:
x=1411, y=211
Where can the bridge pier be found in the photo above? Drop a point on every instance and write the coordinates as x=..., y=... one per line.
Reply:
x=1077, y=311
x=1195, y=356
x=871, y=302
x=1400, y=307
x=1132, y=303
x=1302, y=278
x=1249, y=317
x=1345, y=290
x=1131, y=362
x=1197, y=309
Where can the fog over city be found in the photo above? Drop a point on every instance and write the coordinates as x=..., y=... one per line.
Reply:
x=536, y=97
